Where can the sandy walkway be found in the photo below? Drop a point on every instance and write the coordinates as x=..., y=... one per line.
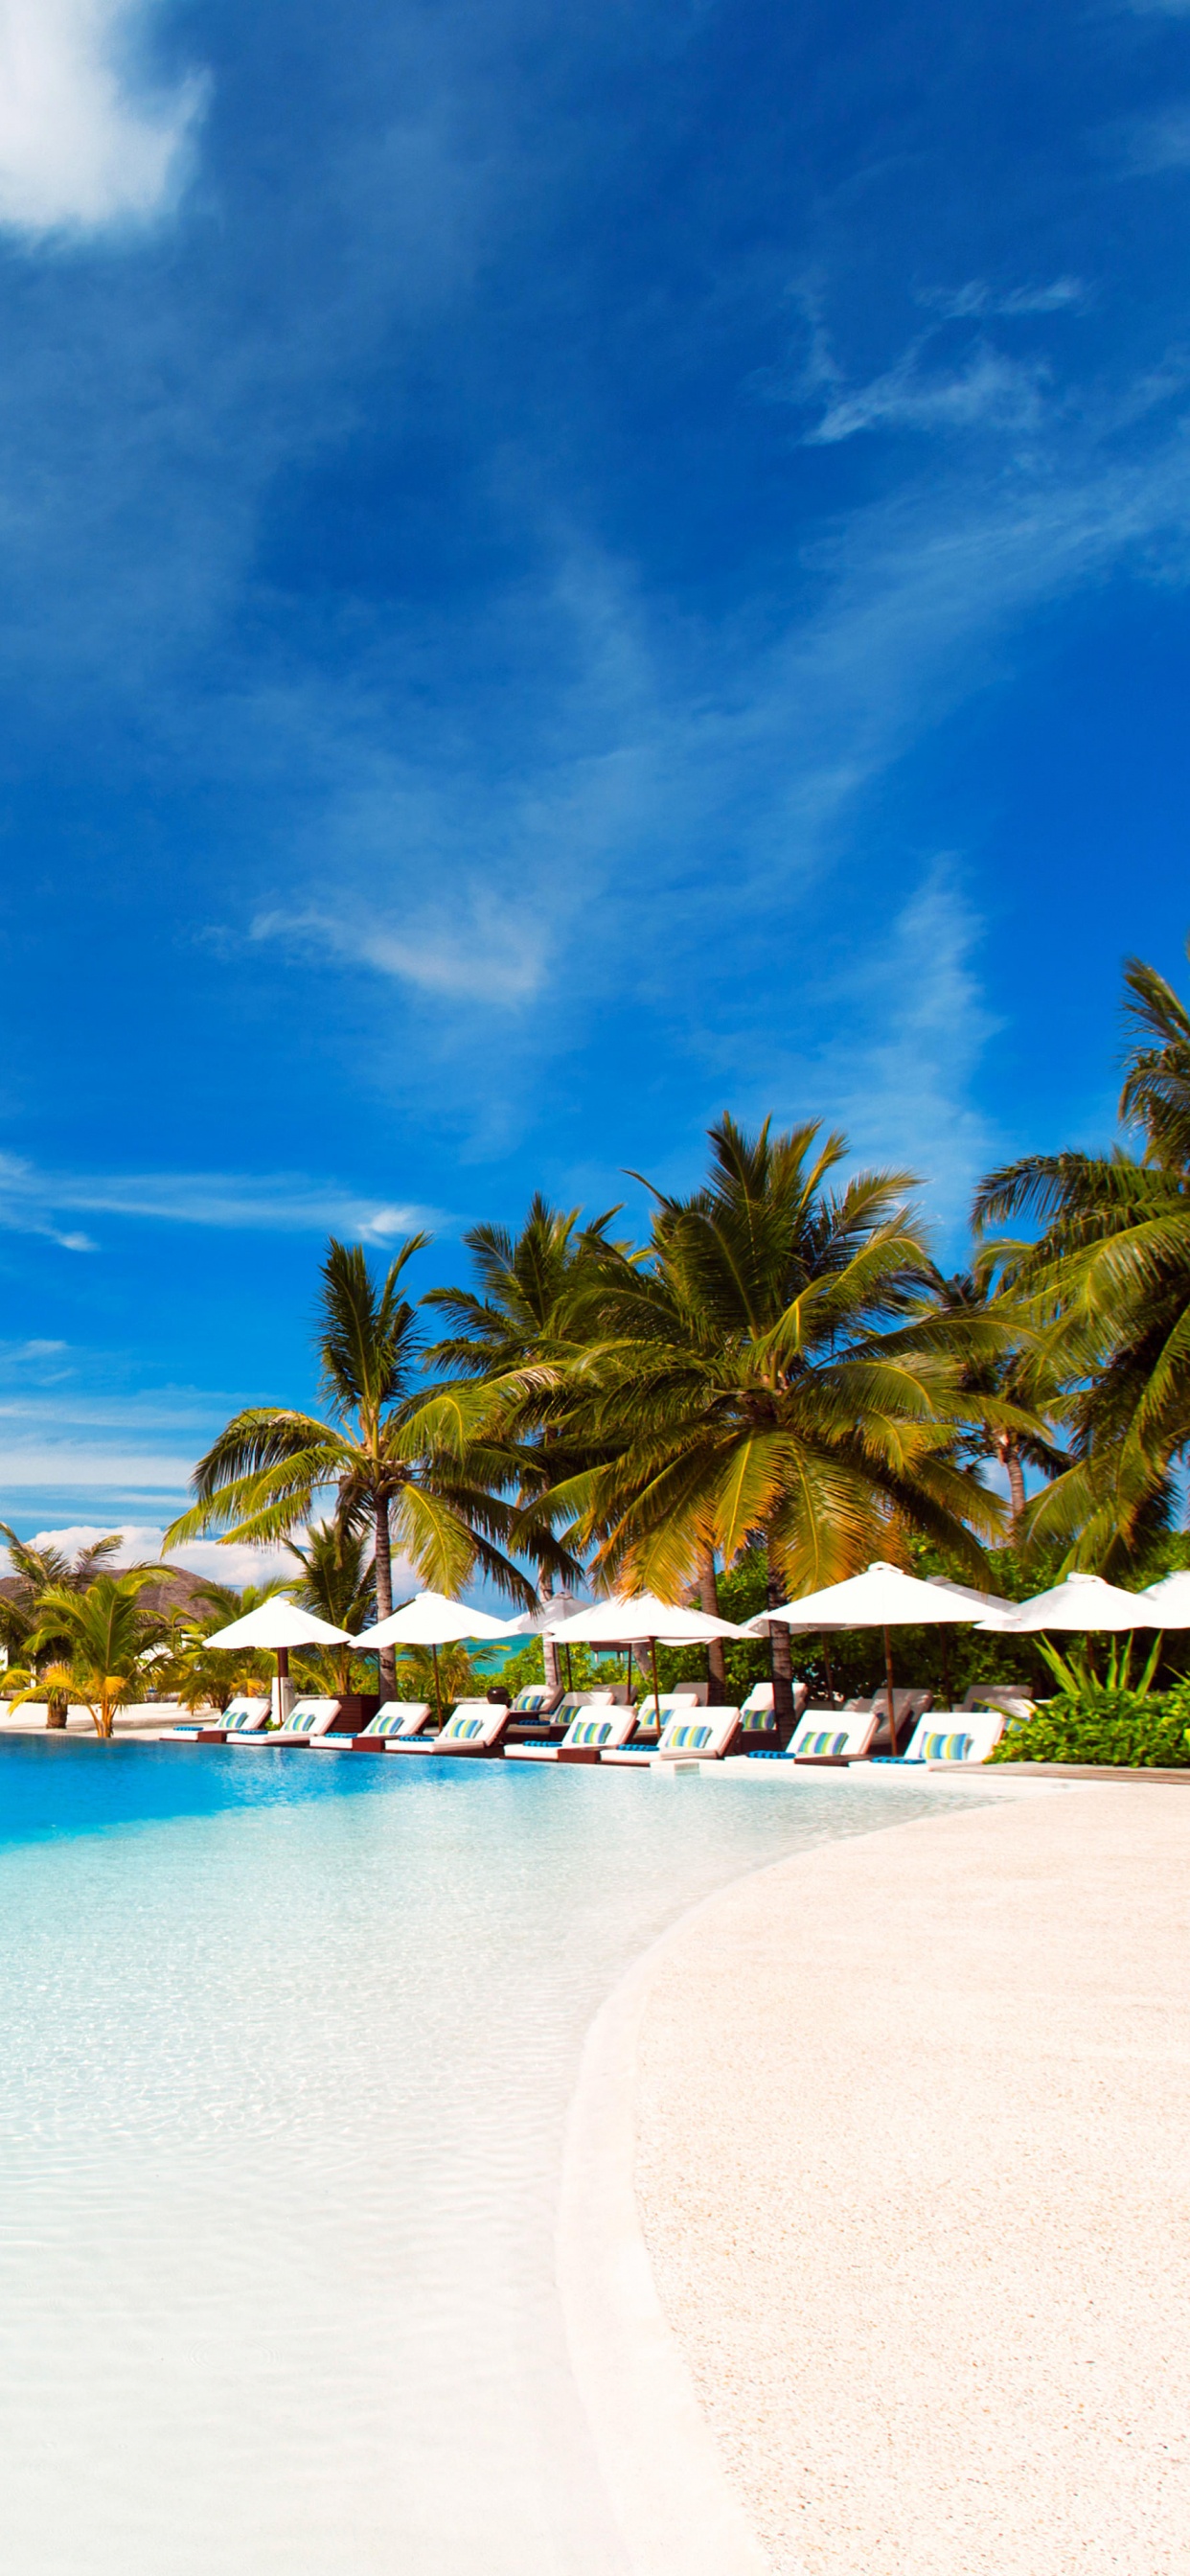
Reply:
x=914, y=2171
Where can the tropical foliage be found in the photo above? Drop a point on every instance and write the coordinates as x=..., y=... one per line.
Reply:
x=1133, y=1729
x=100, y=1639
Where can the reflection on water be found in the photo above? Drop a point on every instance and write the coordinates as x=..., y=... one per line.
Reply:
x=287, y=2043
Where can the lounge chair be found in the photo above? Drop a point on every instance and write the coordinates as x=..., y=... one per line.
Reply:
x=240, y=1717
x=1007, y=1698
x=476, y=1728
x=589, y=1731
x=537, y=1701
x=758, y=1717
x=654, y=1714
x=827, y=1735
x=307, y=1718
x=396, y=1717
x=909, y=1705
x=695, y=1735
x=955, y=1735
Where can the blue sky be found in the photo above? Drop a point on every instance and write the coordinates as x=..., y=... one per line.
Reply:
x=561, y=571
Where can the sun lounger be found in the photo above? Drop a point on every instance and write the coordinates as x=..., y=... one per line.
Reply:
x=549, y=1725
x=955, y=1735
x=758, y=1718
x=476, y=1728
x=909, y=1704
x=307, y=1718
x=589, y=1732
x=653, y=1714
x=397, y=1717
x=834, y=1736
x=240, y=1717
x=699, y=1735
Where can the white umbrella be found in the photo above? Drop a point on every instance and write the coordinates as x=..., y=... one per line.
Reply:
x=548, y=1615
x=995, y=1612
x=1082, y=1603
x=884, y=1597
x=277, y=1625
x=643, y=1621
x=1170, y=1599
x=431, y=1620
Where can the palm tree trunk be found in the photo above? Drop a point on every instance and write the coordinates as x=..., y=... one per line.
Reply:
x=708, y=1601
x=782, y=1660
x=383, y=1562
x=549, y=1651
x=1010, y=1461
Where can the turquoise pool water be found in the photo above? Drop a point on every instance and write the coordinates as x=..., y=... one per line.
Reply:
x=287, y=2043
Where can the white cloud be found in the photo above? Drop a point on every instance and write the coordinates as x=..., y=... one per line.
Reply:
x=141, y=1544
x=31, y=1201
x=989, y=391
x=1148, y=145
x=84, y=142
x=495, y=955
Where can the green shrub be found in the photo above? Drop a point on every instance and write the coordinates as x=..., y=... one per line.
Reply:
x=1126, y=1729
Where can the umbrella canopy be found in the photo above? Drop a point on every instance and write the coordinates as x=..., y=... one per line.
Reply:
x=883, y=1597
x=547, y=1616
x=430, y=1620
x=1170, y=1599
x=1084, y=1602
x=644, y=1621
x=994, y=1612
x=279, y=1624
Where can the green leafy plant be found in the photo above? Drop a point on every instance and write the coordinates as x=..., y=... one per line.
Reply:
x=1119, y=1728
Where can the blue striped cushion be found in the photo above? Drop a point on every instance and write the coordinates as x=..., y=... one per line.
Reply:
x=461, y=1730
x=527, y=1702
x=235, y=1718
x=759, y=1721
x=300, y=1720
x=590, y=1730
x=689, y=1736
x=946, y=1748
x=824, y=1742
x=390, y=1725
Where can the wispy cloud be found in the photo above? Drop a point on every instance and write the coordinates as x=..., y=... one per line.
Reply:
x=1146, y=145
x=989, y=389
x=33, y=1201
x=84, y=144
x=977, y=299
x=494, y=954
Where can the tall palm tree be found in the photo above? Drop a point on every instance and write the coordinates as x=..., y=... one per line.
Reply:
x=770, y=1377
x=1011, y=1371
x=106, y=1636
x=535, y=1306
x=406, y=1465
x=1108, y=1287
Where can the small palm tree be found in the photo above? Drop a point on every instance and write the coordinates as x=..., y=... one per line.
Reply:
x=37, y=1570
x=107, y=1637
x=338, y=1584
x=204, y=1676
x=770, y=1376
x=407, y=1466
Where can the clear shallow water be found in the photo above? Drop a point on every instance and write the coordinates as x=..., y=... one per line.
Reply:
x=286, y=2046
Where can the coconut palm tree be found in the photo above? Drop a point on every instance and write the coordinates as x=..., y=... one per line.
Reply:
x=1108, y=1288
x=1012, y=1371
x=36, y=1570
x=204, y=1676
x=535, y=1306
x=407, y=1465
x=106, y=1636
x=771, y=1375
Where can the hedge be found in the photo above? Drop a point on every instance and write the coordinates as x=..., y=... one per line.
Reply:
x=1125, y=1729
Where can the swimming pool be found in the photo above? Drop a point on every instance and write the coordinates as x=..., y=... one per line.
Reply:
x=287, y=2045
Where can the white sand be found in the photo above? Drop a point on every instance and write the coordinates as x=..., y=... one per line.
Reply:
x=913, y=2166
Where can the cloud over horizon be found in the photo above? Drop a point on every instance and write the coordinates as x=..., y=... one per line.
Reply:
x=86, y=141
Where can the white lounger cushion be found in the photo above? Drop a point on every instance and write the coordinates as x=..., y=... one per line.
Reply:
x=955, y=1735
x=705, y=1734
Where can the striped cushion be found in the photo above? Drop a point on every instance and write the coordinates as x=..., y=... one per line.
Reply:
x=945, y=1748
x=235, y=1718
x=590, y=1730
x=689, y=1737
x=823, y=1742
x=527, y=1702
x=301, y=1720
x=462, y=1730
x=759, y=1721
x=390, y=1725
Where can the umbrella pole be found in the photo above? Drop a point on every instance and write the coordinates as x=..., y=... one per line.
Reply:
x=437, y=1691
x=569, y=1670
x=656, y=1683
x=892, y=1705
x=830, y=1678
x=282, y=1678
x=945, y=1643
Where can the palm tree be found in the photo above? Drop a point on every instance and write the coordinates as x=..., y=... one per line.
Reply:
x=337, y=1582
x=1012, y=1371
x=772, y=1376
x=106, y=1635
x=36, y=1571
x=535, y=1308
x=204, y=1676
x=1108, y=1288
x=408, y=1466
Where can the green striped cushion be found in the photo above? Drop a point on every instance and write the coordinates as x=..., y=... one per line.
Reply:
x=689, y=1736
x=946, y=1748
x=390, y=1725
x=527, y=1702
x=823, y=1742
x=301, y=1720
x=462, y=1730
x=235, y=1718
